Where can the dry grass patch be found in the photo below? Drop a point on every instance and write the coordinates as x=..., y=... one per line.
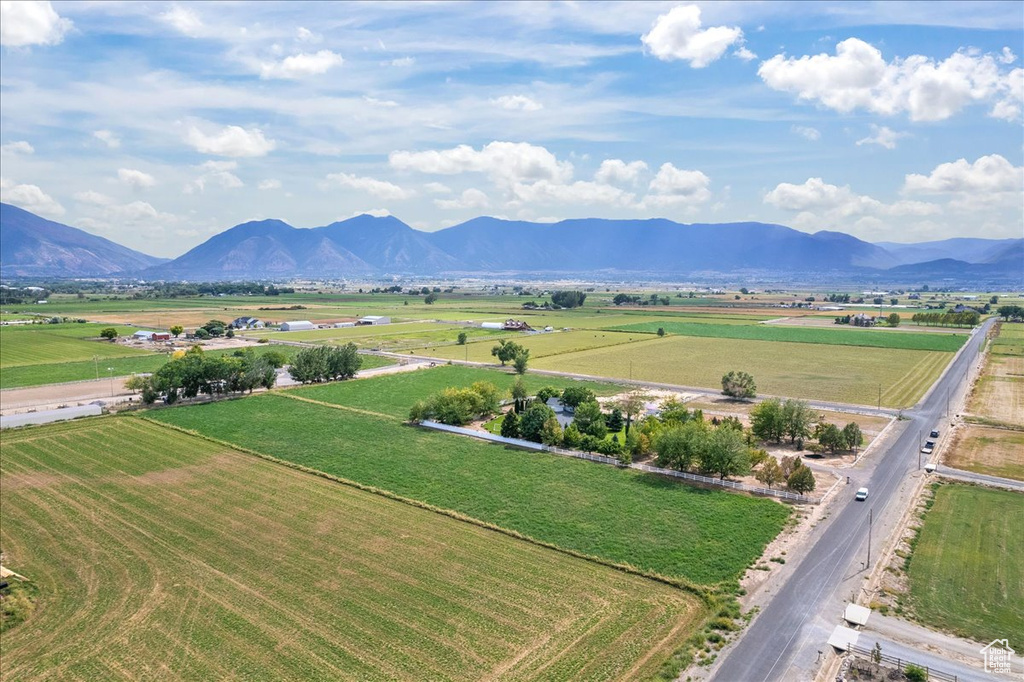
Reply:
x=987, y=450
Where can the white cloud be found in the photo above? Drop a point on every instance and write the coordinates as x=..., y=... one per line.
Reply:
x=30, y=198
x=184, y=20
x=19, y=147
x=1007, y=56
x=818, y=202
x=380, y=102
x=31, y=23
x=233, y=141
x=403, y=61
x=304, y=35
x=269, y=183
x=806, y=132
x=882, y=136
x=135, y=178
x=517, y=103
x=375, y=212
x=470, y=198
x=617, y=171
x=301, y=65
x=378, y=188
x=108, y=138
x=579, y=192
x=858, y=77
x=674, y=186
x=988, y=175
x=506, y=163
x=437, y=188
x=744, y=54
x=215, y=172
x=93, y=198
x=678, y=35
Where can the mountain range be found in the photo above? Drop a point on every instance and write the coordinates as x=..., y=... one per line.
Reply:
x=368, y=246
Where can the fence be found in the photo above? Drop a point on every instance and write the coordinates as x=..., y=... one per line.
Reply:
x=903, y=663
x=705, y=480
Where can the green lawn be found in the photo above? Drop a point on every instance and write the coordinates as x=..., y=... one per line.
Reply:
x=840, y=336
x=625, y=516
x=967, y=570
x=161, y=556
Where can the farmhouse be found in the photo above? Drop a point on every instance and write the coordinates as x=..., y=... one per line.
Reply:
x=297, y=326
x=563, y=413
x=247, y=323
x=516, y=326
x=374, y=319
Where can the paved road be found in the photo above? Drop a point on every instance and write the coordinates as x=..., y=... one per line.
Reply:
x=783, y=641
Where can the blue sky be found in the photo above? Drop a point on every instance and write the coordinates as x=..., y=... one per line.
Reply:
x=159, y=124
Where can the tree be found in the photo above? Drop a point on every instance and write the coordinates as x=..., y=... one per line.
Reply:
x=461, y=339
x=801, y=480
x=544, y=394
x=430, y=298
x=769, y=472
x=520, y=360
x=215, y=327
x=829, y=436
x=614, y=420
x=110, y=333
x=797, y=418
x=532, y=422
x=506, y=350
x=726, y=454
x=519, y=395
x=589, y=419
x=230, y=333
x=738, y=385
x=661, y=331
x=994, y=300
x=201, y=333
x=893, y=319
x=136, y=382
x=852, y=435
x=788, y=464
x=574, y=396
x=568, y=299
x=679, y=447
x=510, y=425
x=632, y=404
x=177, y=330
x=915, y=673
x=766, y=420
x=571, y=437
x=551, y=431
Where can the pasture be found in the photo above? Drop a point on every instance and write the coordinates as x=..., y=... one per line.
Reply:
x=998, y=394
x=967, y=568
x=624, y=516
x=539, y=345
x=40, y=344
x=158, y=555
x=839, y=336
x=847, y=374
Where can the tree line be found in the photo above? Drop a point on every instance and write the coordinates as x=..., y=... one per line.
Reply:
x=967, y=318
x=1011, y=313
x=195, y=372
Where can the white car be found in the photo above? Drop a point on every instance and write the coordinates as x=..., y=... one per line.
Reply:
x=862, y=495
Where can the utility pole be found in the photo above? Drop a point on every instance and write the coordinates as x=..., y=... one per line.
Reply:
x=96, y=362
x=920, y=445
x=110, y=371
x=871, y=514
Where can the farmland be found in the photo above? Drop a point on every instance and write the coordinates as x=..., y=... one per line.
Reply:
x=986, y=450
x=837, y=373
x=539, y=345
x=871, y=338
x=999, y=394
x=41, y=344
x=701, y=535
x=967, y=569
x=160, y=555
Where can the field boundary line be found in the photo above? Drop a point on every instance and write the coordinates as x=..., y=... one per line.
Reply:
x=284, y=393
x=705, y=593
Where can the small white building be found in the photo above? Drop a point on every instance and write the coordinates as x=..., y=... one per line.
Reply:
x=297, y=326
x=143, y=335
x=492, y=325
x=341, y=325
x=375, y=319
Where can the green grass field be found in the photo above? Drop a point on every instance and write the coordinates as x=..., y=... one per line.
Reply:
x=162, y=556
x=872, y=338
x=1010, y=340
x=620, y=515
x=394, y=394
x=967, y=570
x=540, y=345
x=846, y=374
x=42, y=344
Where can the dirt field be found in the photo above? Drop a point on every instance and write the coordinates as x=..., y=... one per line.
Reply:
x=999, y=393
x=162, y=556
x=987, y=450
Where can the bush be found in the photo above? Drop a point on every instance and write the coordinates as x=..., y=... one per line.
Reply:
x=739, y=385
x=915, y=673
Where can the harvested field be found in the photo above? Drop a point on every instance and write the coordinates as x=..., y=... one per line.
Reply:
x=539, y=345
x=987, y=450
x=967, y=568
x=837, y=373
x=163, y=556
x=706, y=536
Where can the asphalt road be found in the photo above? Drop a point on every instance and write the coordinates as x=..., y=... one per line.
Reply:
x=783, y=641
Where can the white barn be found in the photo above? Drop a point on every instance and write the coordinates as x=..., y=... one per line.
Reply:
x=375, y=319
x=297, y=326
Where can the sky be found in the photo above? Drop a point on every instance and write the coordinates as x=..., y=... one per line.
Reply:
x=158, y=125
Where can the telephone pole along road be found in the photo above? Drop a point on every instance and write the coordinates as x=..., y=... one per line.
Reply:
x=783, y=641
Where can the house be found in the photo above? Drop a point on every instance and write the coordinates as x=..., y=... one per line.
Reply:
x=862, y=320
x=374, y=319
x=247, y=323
x=297, y=326
x=516, y=326
x=563, y=413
